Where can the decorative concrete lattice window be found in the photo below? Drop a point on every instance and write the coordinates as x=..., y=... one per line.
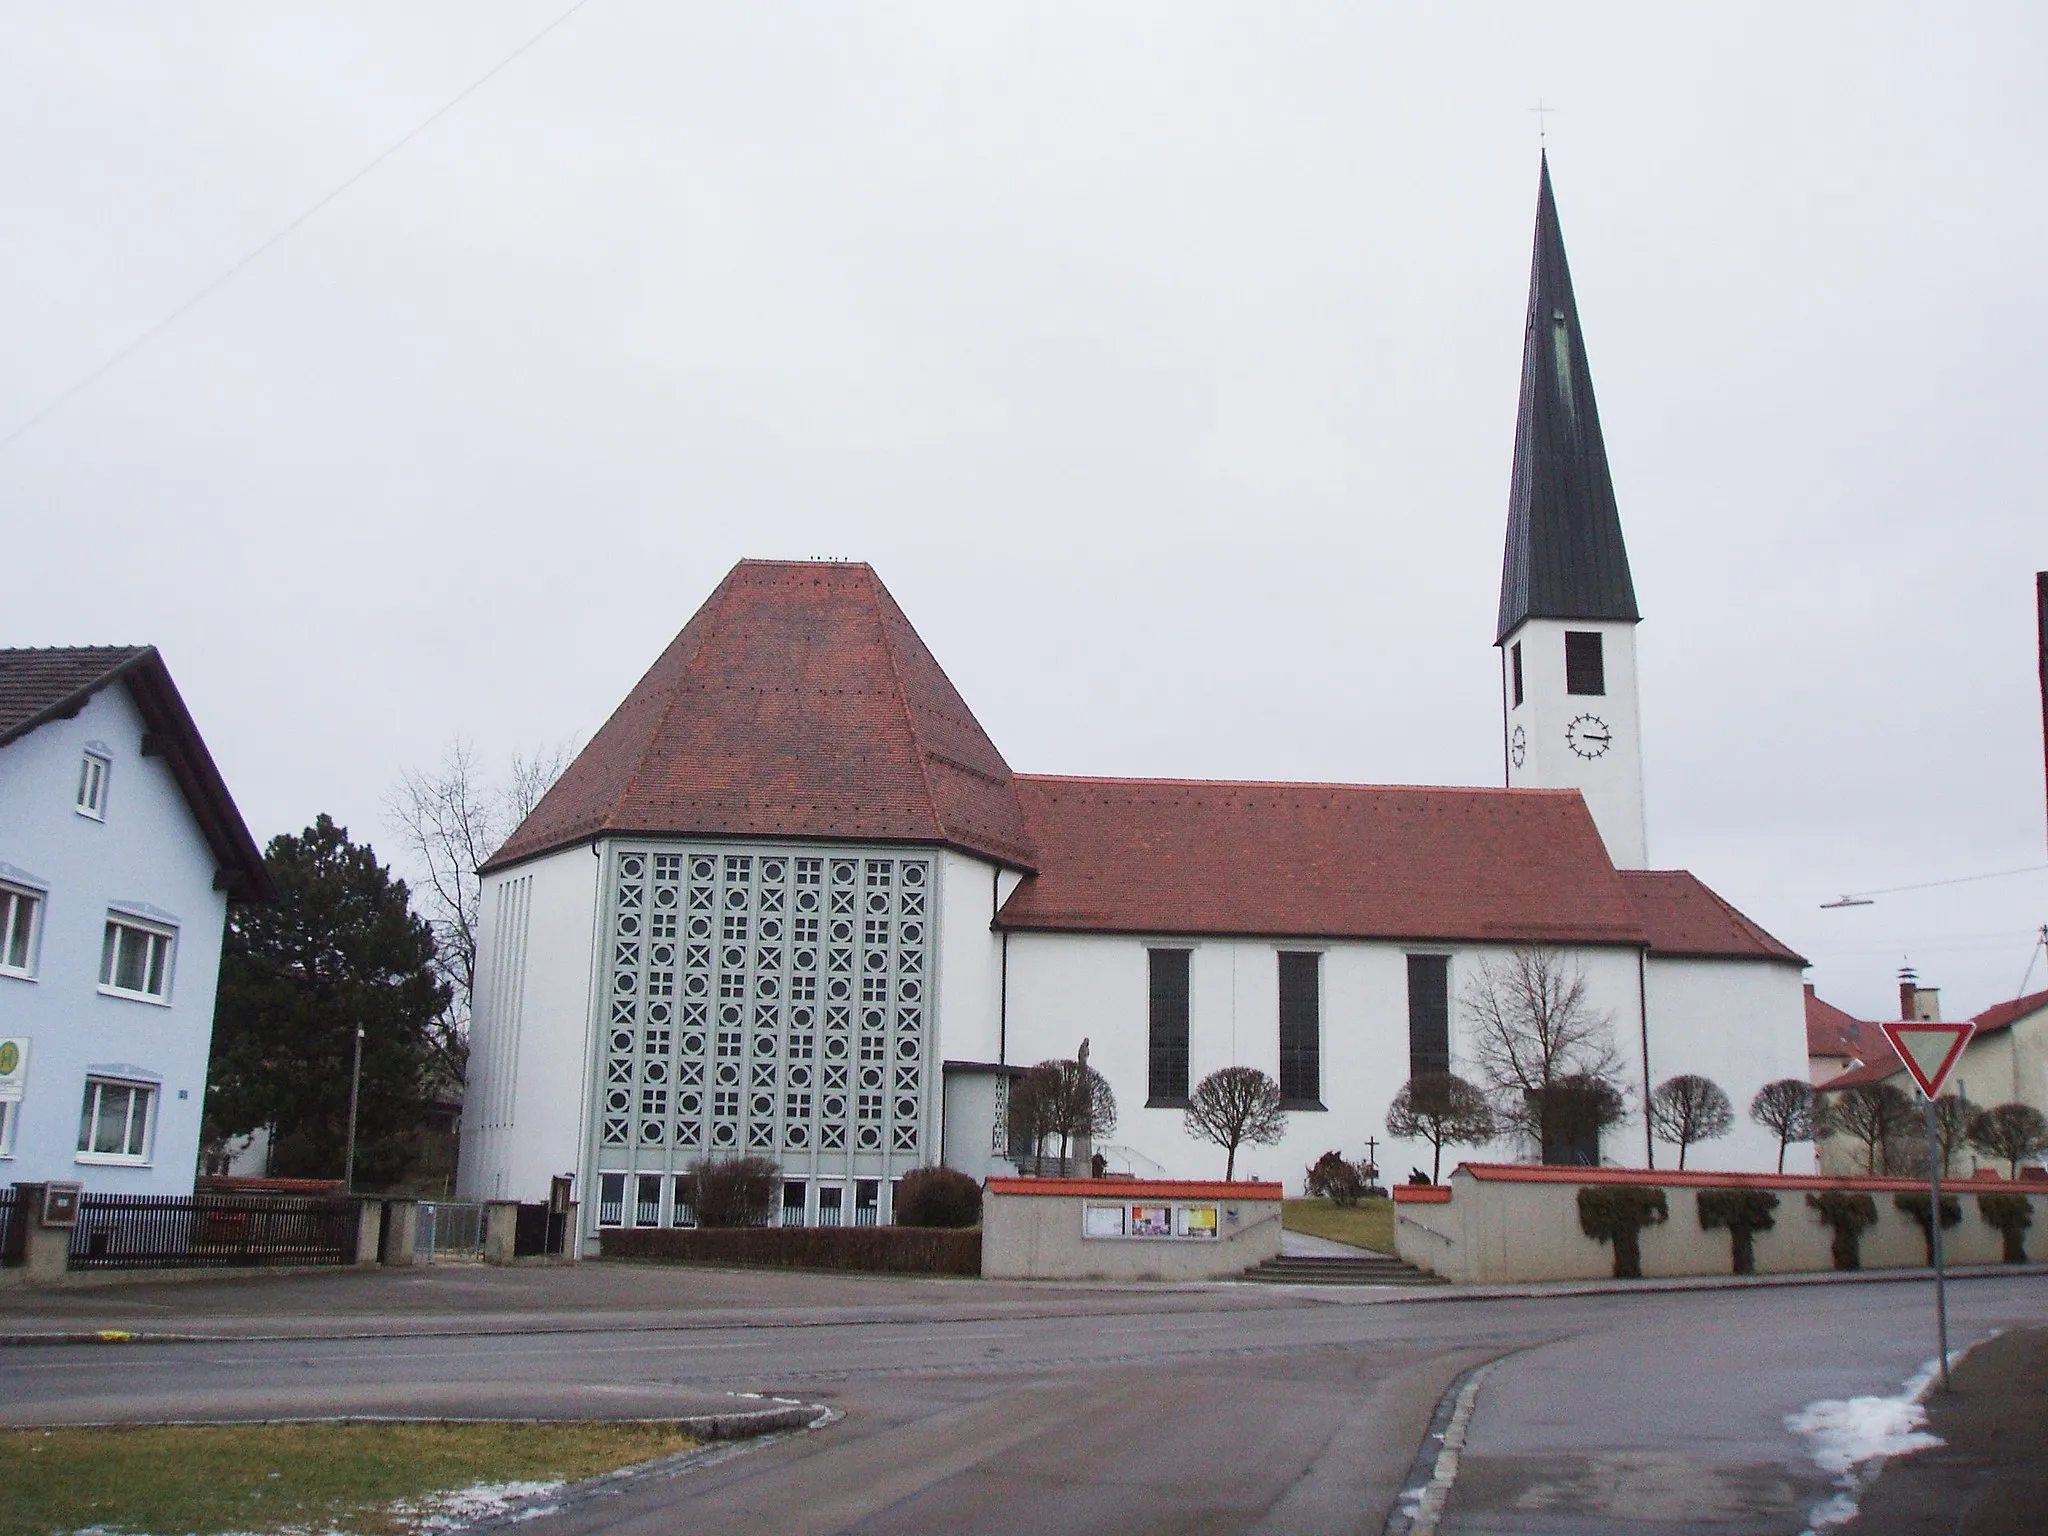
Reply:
x=769, y=1002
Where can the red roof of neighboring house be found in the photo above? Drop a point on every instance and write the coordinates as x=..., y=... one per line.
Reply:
x=1830, y=1031
x=1186, y=856
x=1685, y=919
x=2004, y=1015
x=798, y=703
x=1875, y=1070
x=38, y=686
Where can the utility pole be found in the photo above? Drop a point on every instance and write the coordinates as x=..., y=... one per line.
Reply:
x=355, y=1087
x=2041, y=620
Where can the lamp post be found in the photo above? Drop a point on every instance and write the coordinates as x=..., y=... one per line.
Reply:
x=355, y=1087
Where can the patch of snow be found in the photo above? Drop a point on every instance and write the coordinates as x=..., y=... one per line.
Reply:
x=1853, y=1437
x=460, y=1507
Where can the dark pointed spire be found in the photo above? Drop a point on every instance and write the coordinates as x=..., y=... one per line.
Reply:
x=1565, y=556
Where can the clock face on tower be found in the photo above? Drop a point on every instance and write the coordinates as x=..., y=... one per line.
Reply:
x=1589, y=736
x=1518, y=746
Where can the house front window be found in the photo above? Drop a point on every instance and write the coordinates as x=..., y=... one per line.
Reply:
x=135, y=961
x=114, y=1125
x=92, y=786
x=19, y=910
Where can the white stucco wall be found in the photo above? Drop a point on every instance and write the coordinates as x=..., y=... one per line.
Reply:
x=147, y=856
x=531, y=1051
x=1063, y=987
x=1741, y=1023
x=1613, y=782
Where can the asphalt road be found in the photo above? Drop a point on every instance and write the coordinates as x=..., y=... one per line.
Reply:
x=1222, y=1410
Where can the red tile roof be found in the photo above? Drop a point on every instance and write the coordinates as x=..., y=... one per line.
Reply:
x=38, y=686
x=2004, y=1015
x=1180, y=856
x=1832, y=1032
x=798, y=703
x=1875, y=1070
x=1139, y=1189
x=1684, y=918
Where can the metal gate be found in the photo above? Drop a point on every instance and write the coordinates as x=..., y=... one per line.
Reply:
x=448, y=1232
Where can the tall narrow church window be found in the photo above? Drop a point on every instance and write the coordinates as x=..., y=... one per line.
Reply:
x=1585, y=666
x=1515, y=670
x=1429, y=1014
x=1167, y=1073
x=1301, y=1009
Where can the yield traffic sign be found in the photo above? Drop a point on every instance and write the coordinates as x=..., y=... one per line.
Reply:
x=1929, y=1049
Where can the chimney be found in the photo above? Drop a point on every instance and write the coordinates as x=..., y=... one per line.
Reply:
x=1909, y=988
x=1926, y=1004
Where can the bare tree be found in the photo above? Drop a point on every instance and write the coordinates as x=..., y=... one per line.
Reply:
x=1067, y=1099
x=2013, y=1133
x=1953, y=1117
x=1872, y=1114
x=1547, y=1054
x=451, y=820
x=1688, y=1109
x=1235, y=1107
x=1785, y=1109
x=1442, y=1109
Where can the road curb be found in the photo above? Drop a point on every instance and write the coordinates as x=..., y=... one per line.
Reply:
x=741, y=1424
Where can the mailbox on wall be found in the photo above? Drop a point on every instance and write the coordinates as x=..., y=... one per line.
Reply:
x=60, y=1204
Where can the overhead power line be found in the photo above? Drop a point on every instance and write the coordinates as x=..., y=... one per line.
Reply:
x=1863, y=898
x=201, y=295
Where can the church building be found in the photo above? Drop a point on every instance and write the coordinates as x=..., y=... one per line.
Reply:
x=791, y=901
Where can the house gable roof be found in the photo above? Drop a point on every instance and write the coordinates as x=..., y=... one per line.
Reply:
x=1195, y=857
x=1685, y=919
x=798, y=702
x=42, y=685
x=2002, y=1016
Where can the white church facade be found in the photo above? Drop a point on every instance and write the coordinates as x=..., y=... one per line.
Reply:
x=792, y=902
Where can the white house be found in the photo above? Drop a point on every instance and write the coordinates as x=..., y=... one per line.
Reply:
x=791, y=900
x=120, y=849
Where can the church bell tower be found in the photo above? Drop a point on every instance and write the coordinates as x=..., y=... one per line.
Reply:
x=1567, y=632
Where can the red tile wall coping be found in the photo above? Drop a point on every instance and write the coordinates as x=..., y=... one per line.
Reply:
x=1422, y=1194
x=1138, y=1189
x=1528, y=1173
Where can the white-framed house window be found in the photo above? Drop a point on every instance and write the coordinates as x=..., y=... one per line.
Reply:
x=93, y=770
x=21, y=912
x=115, y=1124
x=135, y=959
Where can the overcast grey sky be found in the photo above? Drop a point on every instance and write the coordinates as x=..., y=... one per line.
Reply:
x=1162, y=358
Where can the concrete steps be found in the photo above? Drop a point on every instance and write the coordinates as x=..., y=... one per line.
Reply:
x=1366, y=1269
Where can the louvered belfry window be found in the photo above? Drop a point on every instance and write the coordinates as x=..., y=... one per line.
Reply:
x=1167, y=1074
x=1301, y=1008
x=1585, y=665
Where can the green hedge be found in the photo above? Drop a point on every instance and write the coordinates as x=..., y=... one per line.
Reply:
x=890, y=1250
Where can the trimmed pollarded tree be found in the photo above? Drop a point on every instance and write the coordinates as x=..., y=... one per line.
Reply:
x=2012, y=1133
x=1547, y=1054
x=1236, y=1107
x=1444, y=1110
x=1742, y=1213
x=1785, y=1109
x=1061, y=1099
x=1689, y=1109
x=1874, y=1115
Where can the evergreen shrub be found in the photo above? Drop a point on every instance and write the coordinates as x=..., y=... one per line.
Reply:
x=1849, y=1216
x=1744, y=1213
x=734, y=1191
x=2012, y=1214
x=1340, y=1182
x=937, y=1197
x=1617, y=1214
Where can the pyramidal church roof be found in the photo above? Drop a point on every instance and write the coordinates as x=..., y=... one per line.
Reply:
x=1565, y=557
x=798, y=702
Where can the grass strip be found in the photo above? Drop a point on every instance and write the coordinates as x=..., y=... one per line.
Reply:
x=1368, y=1224
x=371, y=1479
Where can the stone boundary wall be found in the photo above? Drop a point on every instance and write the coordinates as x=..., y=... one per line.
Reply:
x=1060, y=1229
x=1506, y=1223
x=881, y=1250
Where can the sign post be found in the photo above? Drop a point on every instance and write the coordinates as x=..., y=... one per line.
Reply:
x=1930, y=1049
